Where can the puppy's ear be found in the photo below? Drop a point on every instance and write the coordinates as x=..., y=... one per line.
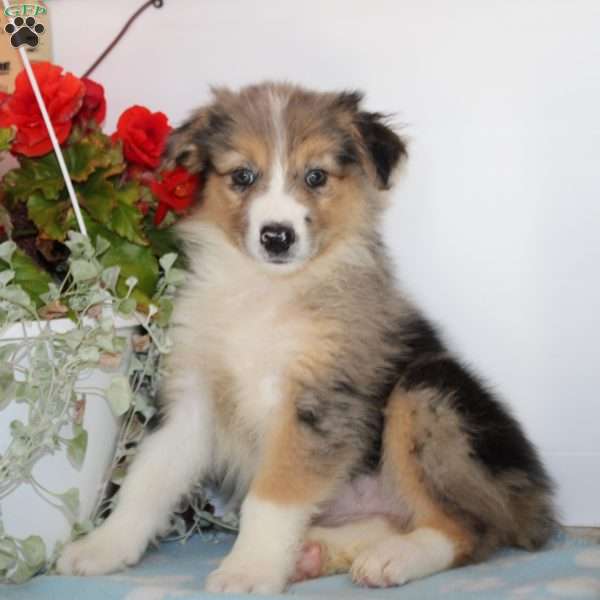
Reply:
x=182, y=148
x=190, y=144
x=385, y=149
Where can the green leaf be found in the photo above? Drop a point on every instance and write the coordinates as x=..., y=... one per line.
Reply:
x=6, y=136
x=102, y=245
x=165, y=310
x=41, y=175
x=127, y=307
x=80, y=246
x=133, y=260
x=6, y=353
x=77, y=446
x=110, y=277
x=7, y=249
x=175, y=277
x=34, y=551
x=126, y=218
x=53, y=218
x=118, y=395
x=22, y=573
x=8, y=554
x=89, y=354
x=7, y=384
x=6, y=376
x=17, y=296
x=98, y=197
x=73, y=338
x=94, y=151
x=70, y=500
x=164, y=241
x=6, y=277
x=29, y=276
x=167, y=261
x=106, y=342
x=82, y=269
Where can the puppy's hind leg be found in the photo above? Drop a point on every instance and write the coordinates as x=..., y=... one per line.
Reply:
x=168, y=463
x=438, y=541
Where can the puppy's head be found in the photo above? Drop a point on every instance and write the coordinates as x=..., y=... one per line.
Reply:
x=288, y=172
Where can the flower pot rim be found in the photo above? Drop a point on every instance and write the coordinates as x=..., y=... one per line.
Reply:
x=34, y=328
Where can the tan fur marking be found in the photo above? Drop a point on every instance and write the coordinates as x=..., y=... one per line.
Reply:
x=400, y=464
x=218, y=207
x=291, y=472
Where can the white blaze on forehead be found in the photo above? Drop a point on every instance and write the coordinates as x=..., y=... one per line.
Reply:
x=277, y=204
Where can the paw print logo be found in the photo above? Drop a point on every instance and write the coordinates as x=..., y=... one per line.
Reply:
x=24, y=31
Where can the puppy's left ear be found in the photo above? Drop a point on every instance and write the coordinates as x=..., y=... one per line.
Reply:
x=384, y=147
x=183, y=148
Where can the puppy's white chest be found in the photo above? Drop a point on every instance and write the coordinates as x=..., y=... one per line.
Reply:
x=250, y=335
x=256, y=351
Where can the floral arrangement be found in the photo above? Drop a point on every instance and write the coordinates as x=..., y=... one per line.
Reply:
x=128, y=267
x=125, y=196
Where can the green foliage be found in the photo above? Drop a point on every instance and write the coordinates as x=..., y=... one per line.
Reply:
x=133, y=261
x=77, y=445
x=22, y=282
x=21, y=559
x=96, y=196
x=109, y=203
x=34, y=175
x=90, y=154
x=126, y=218
x=49, y=383
x=119, y=395
x=53, y=218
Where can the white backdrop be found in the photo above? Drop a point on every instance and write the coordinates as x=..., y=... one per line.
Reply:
x=496, y=224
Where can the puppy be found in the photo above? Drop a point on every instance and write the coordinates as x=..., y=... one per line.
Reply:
x=303, y=383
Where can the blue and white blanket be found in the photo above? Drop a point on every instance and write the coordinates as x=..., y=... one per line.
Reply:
x=569, y=568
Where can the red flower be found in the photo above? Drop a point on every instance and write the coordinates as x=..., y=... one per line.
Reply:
x=94, y=102
x=144, y=135
x=63, y=94
x=175, y=191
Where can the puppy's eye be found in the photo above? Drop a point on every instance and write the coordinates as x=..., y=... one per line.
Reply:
x=243, y=177
x=315, y=178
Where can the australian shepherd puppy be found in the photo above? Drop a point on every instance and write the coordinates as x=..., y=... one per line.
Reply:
x=304, y=383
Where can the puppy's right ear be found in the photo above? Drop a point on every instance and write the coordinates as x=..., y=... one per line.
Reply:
x=192, y=144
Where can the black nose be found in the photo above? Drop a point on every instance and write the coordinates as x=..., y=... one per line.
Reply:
x=277, y=238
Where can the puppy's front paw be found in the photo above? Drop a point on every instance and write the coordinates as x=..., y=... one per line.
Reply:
x=245, y=578
x=104, y=550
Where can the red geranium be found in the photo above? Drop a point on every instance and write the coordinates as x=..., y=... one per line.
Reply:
x=94, y=102
x=175, y=191
x=63, y=94
x=144, y=135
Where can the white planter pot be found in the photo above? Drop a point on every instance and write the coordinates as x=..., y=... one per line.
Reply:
x=24, y=511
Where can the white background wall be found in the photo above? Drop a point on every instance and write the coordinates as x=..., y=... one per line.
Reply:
x=496, y=224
